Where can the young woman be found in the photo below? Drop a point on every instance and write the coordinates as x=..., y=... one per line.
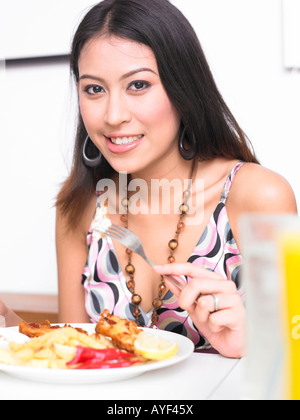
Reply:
x=149, y=107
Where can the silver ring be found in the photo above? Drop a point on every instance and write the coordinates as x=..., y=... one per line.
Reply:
x=217, y=302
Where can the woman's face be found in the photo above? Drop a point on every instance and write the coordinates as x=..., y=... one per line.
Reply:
x=124, y=106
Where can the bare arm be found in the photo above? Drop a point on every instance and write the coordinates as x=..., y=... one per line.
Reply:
x=254, y=189
x=72, y=255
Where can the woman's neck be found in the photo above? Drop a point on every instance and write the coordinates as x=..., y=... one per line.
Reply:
x=161, y=190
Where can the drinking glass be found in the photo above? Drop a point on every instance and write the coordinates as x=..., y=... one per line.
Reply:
x=289, y=252
x=262, y=281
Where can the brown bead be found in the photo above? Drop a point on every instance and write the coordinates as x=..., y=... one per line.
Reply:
x=125, y=202
x=129, y=269
x=128, y=251
x=180, y=226
x=162, y=287
x=136, y=312
x=171, y=259
x=184, y=208
x=173, y=244
x=187, y=194
x=124, y=218
x=157, y=303
x=131, y=285
x=136, y=299
x=155, y=318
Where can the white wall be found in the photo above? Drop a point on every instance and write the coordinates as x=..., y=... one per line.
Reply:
x=34, y=28
x=243, y=43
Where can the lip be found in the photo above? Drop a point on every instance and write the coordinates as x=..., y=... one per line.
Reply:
x=121, y=135
x=122, y=148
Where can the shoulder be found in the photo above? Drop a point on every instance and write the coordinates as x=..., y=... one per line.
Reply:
x=258, y=189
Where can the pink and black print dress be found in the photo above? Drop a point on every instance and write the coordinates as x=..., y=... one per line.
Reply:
x=106, y=288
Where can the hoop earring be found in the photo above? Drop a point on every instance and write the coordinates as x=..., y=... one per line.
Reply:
x=187, y=154
x=90, y=162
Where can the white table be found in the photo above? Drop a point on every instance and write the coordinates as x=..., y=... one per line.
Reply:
x=201, y=377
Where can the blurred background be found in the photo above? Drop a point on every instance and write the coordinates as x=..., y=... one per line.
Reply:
x=253, y=48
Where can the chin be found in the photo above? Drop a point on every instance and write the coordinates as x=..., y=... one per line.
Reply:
x=128, y=165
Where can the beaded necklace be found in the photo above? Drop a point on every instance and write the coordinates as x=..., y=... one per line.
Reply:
x=172, y=244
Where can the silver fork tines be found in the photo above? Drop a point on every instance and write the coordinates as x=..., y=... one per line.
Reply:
x=116, y=231
x=133, y=242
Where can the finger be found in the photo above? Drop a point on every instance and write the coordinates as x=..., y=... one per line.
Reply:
x=208, y=305
x=187, y=269
x=2, y=322
x=203, y=287
x=205, y=307
x=216, y=303
x=175, y=290
x=217, y=283
x=226, y=318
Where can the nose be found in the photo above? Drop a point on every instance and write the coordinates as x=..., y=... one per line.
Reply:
x=117, y=111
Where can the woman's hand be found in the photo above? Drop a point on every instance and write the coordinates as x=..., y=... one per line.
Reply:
x=7, y=317
x=3, y=312
x=224, y=328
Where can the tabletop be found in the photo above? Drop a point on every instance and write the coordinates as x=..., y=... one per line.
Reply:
x=200, y=377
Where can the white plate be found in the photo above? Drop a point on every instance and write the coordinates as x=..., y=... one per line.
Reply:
x=61, y=376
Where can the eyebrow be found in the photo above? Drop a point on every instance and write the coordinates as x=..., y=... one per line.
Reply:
x=125, y=76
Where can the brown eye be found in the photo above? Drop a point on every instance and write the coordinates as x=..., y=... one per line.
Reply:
x=139, y=85
x=93, y=89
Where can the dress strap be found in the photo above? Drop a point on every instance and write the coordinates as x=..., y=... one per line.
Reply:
x=229, y=181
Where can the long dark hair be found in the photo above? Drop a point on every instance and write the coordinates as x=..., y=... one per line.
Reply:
x=185, y=75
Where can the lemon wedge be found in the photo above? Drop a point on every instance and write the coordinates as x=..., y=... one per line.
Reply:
x=154, y=348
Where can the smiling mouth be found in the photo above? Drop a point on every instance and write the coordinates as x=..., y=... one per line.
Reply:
x=125, y=140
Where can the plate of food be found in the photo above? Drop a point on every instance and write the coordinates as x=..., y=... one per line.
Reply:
x=114, y=349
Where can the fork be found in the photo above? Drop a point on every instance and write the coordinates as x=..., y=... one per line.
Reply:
x=133, y=242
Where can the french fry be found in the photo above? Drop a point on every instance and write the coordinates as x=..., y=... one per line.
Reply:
x=39, y=363
x=25, y=354
x=52, y=350
x=66, y=353
x=7, y=357
x=45, y=353
x=60, y=347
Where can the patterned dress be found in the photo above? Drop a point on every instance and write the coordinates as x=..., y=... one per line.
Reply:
x=106, y=287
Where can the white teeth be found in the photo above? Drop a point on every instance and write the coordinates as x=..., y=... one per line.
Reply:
x=125, y=140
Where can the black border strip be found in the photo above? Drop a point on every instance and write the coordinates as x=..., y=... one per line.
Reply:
x=53, y=59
